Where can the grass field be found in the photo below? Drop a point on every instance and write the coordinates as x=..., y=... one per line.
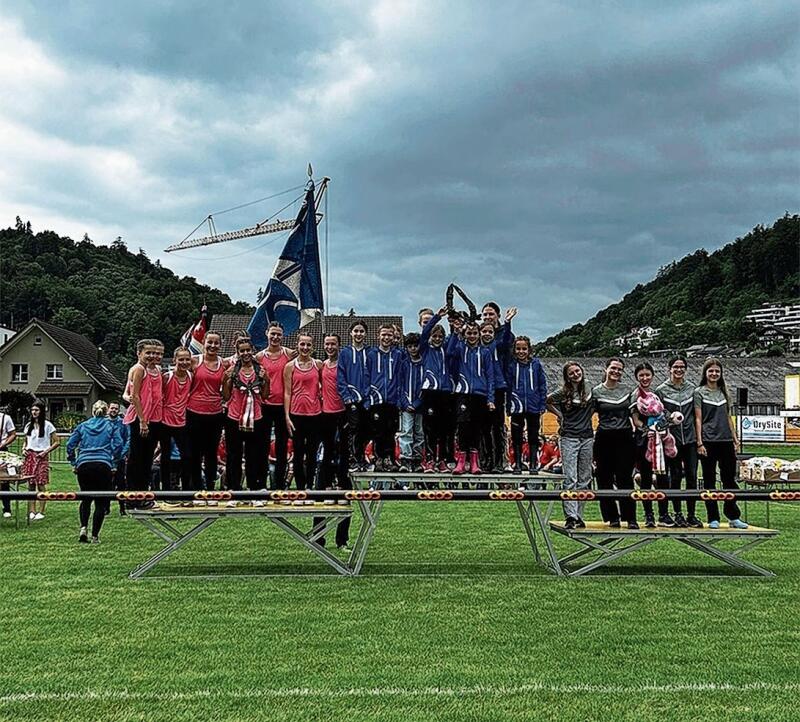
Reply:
x=450, y=621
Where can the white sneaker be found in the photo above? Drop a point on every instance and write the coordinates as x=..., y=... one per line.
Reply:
x=230, y=504
x=39, y=516
x=6, y=515
x=31, y=516
x=213, y=503
x=258, y=502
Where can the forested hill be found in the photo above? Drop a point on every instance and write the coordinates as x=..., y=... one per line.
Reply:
x=701, y=298
x=107, y=293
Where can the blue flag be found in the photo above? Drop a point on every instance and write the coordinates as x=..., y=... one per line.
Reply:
x=293, y=296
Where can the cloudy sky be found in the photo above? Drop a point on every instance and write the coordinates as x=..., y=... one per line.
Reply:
x=548, y=155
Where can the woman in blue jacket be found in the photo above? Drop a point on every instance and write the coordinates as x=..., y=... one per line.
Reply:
x=527, y=399
x=98, y=444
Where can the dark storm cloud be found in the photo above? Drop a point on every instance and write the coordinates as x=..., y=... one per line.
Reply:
x=547, y=156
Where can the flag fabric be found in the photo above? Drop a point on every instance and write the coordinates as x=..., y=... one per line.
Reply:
x=293, y=296
x=196, y=333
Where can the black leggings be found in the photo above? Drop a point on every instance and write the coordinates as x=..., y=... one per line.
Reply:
x=335, y=443
x=181, y=437
x=359, y=425
x=684, y=463
x=724, y=454
x=251, y=445
x=472, y=416
x=140, y=459
x=274, y=417
x=613, y=454
x=437, y=424
x=205, y=431
x=493, y=438
x=518, y=424
x=384, y=426
x=94, y=476
x=305, y=441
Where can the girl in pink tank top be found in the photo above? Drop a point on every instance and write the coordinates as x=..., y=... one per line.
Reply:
x=177, y=384
x=303, y=406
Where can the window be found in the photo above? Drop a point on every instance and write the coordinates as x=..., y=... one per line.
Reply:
x=19, y=373
x=54, y=372
x=37, y=340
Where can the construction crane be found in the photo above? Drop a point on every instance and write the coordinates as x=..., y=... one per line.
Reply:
x=266, y=226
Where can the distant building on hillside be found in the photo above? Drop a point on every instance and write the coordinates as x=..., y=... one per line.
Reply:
x=64, y=369
x=228, y=324
x=777, y=324
x=637, y=339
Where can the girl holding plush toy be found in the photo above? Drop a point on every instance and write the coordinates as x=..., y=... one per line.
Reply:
x=654, y=442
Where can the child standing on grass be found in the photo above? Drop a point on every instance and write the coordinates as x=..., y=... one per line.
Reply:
x=40, y=440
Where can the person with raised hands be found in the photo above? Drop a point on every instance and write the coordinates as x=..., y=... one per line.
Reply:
x=474, y=374
x=436, y=394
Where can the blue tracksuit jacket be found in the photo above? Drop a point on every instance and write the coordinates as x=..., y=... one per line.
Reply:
x=527, y=388
x=352, y=381
x=96, y=440
x=382, y=368
x=474, y=368
x=411, y=374
x=436, y=369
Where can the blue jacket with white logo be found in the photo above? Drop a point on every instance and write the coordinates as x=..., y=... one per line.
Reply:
x=527, y=388
x=96, y=440
x=352, y=381
x=411, y=374
x=473, y=366
x=436, y=369
x=500, y=348
x=382, y=372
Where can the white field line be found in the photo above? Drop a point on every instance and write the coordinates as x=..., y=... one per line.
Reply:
x=124, y=695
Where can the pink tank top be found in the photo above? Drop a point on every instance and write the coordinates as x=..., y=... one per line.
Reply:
x=205, y=396
x=331, y=401
x=176, y=396
x=236, y=403
x=274, y=369
x=305, y=391
x=151, y=395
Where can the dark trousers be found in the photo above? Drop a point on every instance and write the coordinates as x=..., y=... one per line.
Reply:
x=5, y=486
x=181, y=437
x=334, y=435
x=384, y=426
x=471, y=419
x=722, y=453
x=94, y=476
x=613, y=455
x=518, y=424
x=646, y=473
x=359, y=425
x=333, y=472
x=205, y=431
x=249, y=444
x=305, y=441
x=140, y=459
x=683, y=464
x=274, y=418
x=437, y=423
x=493, y=437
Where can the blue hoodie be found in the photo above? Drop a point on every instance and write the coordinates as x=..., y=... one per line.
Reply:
x=96, y=440
x=382, y=372
x=503, y=341
x=436, y=370
x=527, y=387
x=352, y=381
x=474, y=368
x=410, y=374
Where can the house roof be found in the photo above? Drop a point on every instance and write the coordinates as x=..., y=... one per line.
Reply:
x=763, y=377
x=229, y=324
x=81, y=350
x=63, y=388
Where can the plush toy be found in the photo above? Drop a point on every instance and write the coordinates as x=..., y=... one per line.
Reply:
x=660, y=441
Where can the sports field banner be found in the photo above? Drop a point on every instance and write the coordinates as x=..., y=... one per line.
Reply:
x=763, y=428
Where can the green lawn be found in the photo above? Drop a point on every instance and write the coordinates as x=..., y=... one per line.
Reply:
x=450, y=621
x=790, y=452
